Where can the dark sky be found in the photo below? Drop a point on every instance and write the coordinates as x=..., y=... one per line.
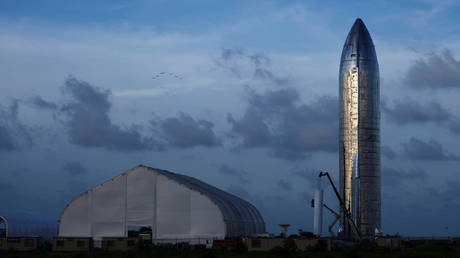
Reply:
x=241, y=94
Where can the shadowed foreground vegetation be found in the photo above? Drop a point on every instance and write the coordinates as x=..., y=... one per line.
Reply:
x=346, y=253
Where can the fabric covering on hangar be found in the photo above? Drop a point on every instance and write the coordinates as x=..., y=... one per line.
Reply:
x=175, y=206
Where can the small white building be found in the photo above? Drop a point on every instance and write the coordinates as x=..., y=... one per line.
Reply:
x=176, y=207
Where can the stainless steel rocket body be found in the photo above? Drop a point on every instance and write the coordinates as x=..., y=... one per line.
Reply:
x=360, y=131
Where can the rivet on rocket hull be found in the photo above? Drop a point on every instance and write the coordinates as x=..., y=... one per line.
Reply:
x=359, y=147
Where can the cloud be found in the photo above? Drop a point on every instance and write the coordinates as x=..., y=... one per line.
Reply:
x=412, y=112
x=6, y=140
x=388, y=153
x=394, y=177
x=189, y=157
x=284, y=185
x=86, y=118
x=74, y=168
x=238, y=62
x=242, y=65
x=227, y=170
x=435, y=71
x=277, y=120
x=272, y=101
x=88, y=123
x=454, y=126
x=13, y=134
x=409, y=111
x=186, y=132
x=75, y=187
x=39, y=102
x=448, y=194
x=239, y=191
x=307, y=175
x=251, y=128
x=432, y=150
x=230, y=171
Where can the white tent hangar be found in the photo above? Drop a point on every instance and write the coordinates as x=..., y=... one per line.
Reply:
x=175, y=207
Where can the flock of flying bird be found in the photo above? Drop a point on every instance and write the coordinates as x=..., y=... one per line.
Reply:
x=164, y=74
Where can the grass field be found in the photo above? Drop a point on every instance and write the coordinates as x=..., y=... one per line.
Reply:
x=349, y=253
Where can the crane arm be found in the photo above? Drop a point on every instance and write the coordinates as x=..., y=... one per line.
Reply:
x=337, y=217
x=342, y=205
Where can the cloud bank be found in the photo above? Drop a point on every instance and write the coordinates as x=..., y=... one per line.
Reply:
x=435, y=71
x=88, y=124
x=417, y=149
x=289, y=129
x=14, y=135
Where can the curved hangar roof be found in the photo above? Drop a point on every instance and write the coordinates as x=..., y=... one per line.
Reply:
x=174, y=205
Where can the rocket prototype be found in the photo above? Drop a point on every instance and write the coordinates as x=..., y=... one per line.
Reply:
x=360, y=133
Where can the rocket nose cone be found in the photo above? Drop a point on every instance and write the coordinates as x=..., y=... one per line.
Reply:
x=359, y=42
x=359, y=24
x=359, y=34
